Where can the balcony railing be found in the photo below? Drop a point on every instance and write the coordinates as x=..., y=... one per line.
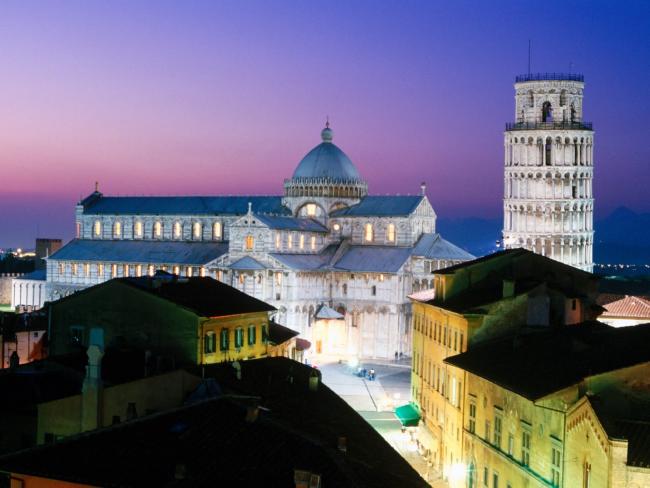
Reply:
x=549, y=77
x=561, y=124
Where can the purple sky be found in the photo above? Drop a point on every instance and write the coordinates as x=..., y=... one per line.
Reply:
x=226, y=97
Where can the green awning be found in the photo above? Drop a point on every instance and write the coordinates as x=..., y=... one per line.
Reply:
x=408, y=415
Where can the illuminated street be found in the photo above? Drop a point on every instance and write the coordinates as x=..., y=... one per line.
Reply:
x=376, y=400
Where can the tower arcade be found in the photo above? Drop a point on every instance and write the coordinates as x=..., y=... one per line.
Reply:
x=548, y=198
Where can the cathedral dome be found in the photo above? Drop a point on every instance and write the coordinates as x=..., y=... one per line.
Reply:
x=327, y=161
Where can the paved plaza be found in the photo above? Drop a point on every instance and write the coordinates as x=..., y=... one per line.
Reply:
x=376, y=401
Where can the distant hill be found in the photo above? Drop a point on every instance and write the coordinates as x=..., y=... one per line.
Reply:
x=477, y=236
x=623, y=237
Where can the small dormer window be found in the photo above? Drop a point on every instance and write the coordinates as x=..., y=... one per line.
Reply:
x=117, y=229
x=390, y=233
x=178, y=230
x=250, y=242
x=197, y=230
x=368, y=233
x=216, y=231
x=137, y=229
x=311, y=210
x=157, y=229
x=97, y=228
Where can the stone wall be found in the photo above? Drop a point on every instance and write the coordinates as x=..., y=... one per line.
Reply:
x=5, y=286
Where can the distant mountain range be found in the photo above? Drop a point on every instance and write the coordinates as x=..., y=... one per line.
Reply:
x=623, y=237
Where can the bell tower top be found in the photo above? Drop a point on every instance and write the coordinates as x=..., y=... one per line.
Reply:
x=549, y=98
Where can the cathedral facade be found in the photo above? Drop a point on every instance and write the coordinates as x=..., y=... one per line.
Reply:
x=337, y=263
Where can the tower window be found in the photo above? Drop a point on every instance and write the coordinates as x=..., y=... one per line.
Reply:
x=157, y=229
x=390, y=233
x=78, y=229
x=313, y=242
x=98, y=228
x=311, y=210
x=250, y=242
x=137, y=229
x=277, y=240
x=178, y=230
x=302, y=241
x=368, y=233
x=117, y=229
x=289, y=241
x=547, y=112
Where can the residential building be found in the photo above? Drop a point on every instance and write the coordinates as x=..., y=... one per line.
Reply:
x=626, y=310
x=22, y=338
x=559, y=407
x=179, y=321
x=478, y=301
x=549, y=157
x=269, y=422
x=325, y=241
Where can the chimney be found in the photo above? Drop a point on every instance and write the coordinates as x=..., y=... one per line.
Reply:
x=91, y=397
x=313, y=381
x=508, y=288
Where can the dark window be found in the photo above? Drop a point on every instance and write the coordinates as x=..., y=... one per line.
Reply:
x=49, y=438
x=265, y=334
x=574, y=304
x=251, y=335
x=239, y=337
x=77, y=335
x=373, y=290
x=210, y=342
x=225, y=339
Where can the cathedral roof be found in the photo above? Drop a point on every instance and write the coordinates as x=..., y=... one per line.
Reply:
x=433, y=246
x=327, y=161
x=247, y=263
x=381, y=205
x=220, y=205
x=373, y=259
x=129, y=251
x=291, y=223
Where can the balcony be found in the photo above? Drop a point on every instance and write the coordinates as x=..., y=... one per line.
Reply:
x=561, y=124
x=549, y=77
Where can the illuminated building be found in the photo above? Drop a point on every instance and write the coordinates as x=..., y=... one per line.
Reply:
x=178, y=320
x=474, y=302
x=558, y=407
x=626, y=311
x=325, y=242
x=548, y=199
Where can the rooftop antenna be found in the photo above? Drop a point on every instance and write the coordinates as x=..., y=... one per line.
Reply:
x=529, y=54
x=327, y=121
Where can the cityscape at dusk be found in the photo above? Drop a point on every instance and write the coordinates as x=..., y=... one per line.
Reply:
x=298, y=244
x=177, y=100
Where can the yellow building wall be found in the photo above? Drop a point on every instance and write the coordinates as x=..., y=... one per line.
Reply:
x=545, y=427
x=62, y=418
x=437, y=388
x=230, y=324
x=587, y=445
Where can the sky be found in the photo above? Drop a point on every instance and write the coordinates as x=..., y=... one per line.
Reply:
x=226, y=97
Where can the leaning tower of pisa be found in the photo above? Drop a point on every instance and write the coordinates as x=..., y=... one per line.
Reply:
x=548, y=199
